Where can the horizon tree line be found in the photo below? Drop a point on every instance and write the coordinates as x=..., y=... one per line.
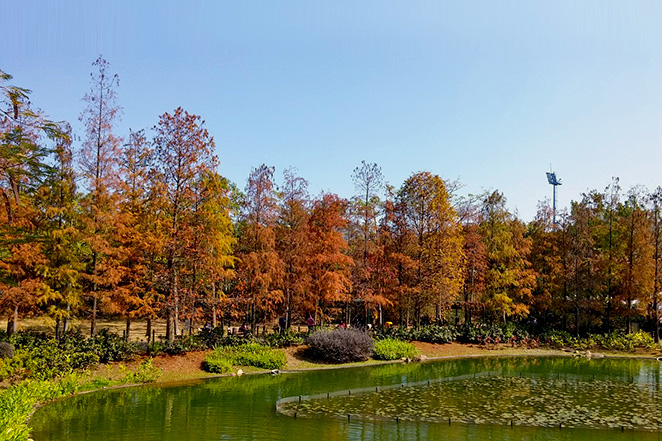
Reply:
x=144, y=227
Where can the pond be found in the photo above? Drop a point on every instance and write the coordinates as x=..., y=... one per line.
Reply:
x=493, y=398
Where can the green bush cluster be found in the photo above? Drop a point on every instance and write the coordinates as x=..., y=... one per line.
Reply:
x=146, y=372
x=212, y=338
x=480, y=334
x=428, y=333
x=618, y=341
x=390, y=349
x=40, y=356
x=434, y=334
x=179, y=345
x=221, y=359
x=492, y=334
x=282, y=340
x=340, y=345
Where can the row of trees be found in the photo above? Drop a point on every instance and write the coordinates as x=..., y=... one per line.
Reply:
x=145, y=227
x=135, y=227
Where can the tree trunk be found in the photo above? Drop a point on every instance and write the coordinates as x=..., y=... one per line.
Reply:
x=14, y=327
x=174, y=315
x=214, y=321
x=656, y=317
x=93, y=324
x=93, y=321
x=148, y=333
x=128, y=328
x=252, y=316
x=12, y=322
x=287, y=309
x=65, y=323
x=169, y=326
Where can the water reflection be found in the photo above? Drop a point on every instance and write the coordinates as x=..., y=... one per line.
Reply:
x=243, y=408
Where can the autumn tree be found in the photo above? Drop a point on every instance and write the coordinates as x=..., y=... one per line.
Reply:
x=368, y=181
x=397, y=276
x=62, y=241
x=98, y=159
x=184, y=156
x=548, y=260
x=363, y=236
x=25, y=134
x=436, y=243
x=475, y=257
x=582, y=266
x=608, y=233
x=135, y=241
x=328, y=265
x=210, y=238
x=637, y=275
x=260, y=268
x=510, y=279
x=292, y=242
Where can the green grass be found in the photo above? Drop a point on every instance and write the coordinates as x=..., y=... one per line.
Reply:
x=221, y=359
x=389, y=349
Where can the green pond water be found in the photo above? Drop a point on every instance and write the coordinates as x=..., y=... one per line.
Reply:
x=498, y=398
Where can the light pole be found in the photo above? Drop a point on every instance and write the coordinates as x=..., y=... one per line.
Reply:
x=551, y=178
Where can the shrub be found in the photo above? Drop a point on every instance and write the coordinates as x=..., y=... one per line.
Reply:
x=112, y=347
x=216, y=364
x=146, y=372
x=434, y=334
x=490, y=334
x=236, y=340
x=615, y=340
x=340, y=345
x=221, y=359
x=284, y=340
x=6, y=350
x=393, y=332
x=390, y=349
x=211, y=337
x=624, y=342
x=28, y=339
x=179, y=346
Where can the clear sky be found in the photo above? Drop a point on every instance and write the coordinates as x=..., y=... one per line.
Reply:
x=490, y=92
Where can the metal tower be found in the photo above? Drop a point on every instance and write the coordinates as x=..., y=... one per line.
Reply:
x=551, y=178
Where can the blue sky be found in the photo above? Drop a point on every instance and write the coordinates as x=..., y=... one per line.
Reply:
x=488, y=92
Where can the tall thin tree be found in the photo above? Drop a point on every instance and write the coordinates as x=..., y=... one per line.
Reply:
x=98, y=158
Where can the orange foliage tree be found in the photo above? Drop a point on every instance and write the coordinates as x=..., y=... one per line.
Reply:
x=328, y=265
x=292, y=243
x=260, y=268
x=98, y=159
x=184, y=153
x=434, y=244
